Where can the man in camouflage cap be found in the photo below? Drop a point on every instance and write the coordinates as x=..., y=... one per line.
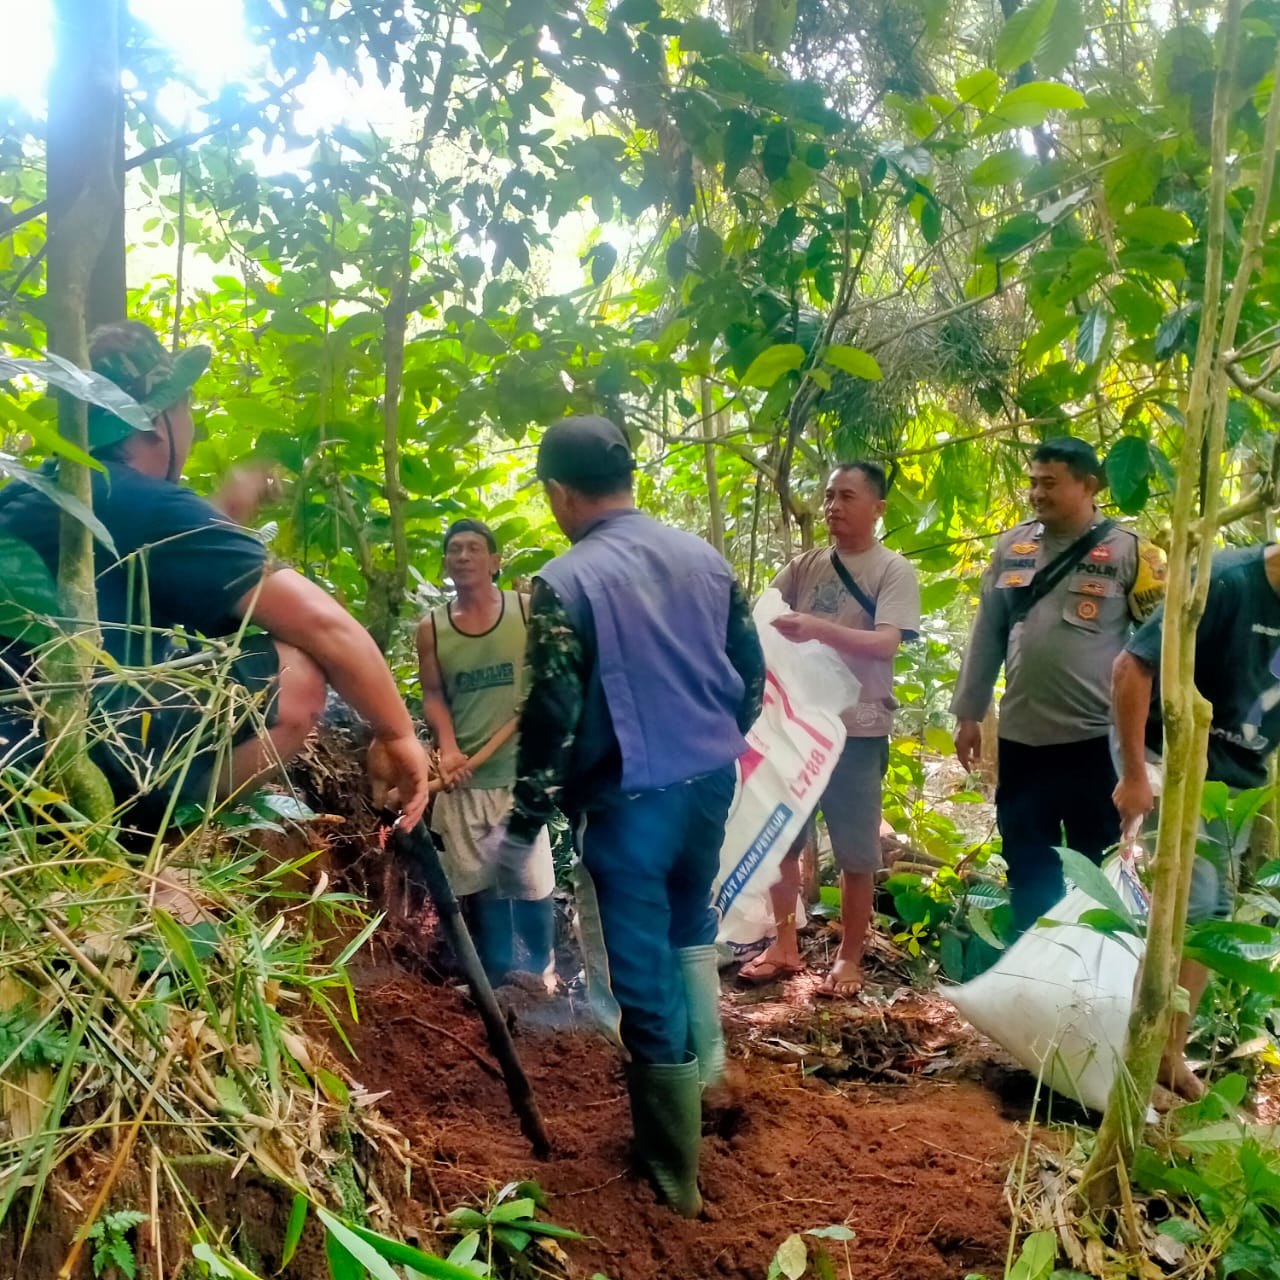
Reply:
x=183, y=570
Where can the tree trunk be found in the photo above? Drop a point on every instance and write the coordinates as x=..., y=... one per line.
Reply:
x=84, y=200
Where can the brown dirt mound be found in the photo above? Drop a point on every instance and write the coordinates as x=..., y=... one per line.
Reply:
x=917, y=1169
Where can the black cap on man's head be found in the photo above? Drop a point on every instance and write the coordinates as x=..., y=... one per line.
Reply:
x=590, y=454
x=1079, y=457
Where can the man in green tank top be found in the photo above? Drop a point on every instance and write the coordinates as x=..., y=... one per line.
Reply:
x=471, y=661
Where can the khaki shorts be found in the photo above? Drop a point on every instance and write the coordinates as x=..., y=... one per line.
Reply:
x=464, y=820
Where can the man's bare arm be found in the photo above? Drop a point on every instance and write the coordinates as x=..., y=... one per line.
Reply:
x=1131, y=683
x=435, y=706
x=294, y=610
x=848, y=642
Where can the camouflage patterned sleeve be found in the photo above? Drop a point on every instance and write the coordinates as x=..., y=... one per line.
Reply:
x=743, y=647
x=555, y=671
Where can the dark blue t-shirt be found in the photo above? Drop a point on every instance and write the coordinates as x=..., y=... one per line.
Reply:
x=1237, y=667
x=183, y=564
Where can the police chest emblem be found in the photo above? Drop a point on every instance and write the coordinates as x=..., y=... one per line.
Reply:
x=1087, y=610
x=1023, y=548
x=1013, y=580
x=1100, y=554
x=1093, y=587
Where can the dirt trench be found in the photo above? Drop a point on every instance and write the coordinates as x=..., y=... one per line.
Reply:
x=874, y=1115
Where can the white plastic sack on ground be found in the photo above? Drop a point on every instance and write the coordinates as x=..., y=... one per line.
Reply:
x=1059, y=999
x=791, y=750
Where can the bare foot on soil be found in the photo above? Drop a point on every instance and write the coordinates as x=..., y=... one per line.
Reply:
x=1179, y=1077
x=771, y=965
x=844, y=981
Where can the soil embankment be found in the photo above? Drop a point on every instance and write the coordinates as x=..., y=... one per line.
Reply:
x=881, y=1125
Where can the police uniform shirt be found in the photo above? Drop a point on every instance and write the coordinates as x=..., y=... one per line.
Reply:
x=1057, y=660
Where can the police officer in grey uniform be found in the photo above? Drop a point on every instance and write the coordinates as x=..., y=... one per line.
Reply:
x=1058, y=604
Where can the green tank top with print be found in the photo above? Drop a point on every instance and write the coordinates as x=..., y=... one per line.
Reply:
x=484, y=685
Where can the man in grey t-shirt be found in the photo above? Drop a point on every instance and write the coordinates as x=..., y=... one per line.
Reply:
x=864, y=619
x=1056, y=772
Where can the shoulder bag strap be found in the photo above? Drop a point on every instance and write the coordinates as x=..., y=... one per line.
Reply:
x=1057, y=569
x=847, y=579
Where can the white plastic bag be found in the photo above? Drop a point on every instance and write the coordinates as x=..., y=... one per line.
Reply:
x=1059, y=999
x=791, y=752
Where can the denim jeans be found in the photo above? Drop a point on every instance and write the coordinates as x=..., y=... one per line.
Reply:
x=653, y=856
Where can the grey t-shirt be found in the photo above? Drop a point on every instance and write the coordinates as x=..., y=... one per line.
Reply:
x=809, y=584
x=1057, y=660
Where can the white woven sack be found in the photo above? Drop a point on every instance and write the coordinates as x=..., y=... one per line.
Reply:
x=791, y=752
x=1059, y=999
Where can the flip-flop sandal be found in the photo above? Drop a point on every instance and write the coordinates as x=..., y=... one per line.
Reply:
x=760, y=971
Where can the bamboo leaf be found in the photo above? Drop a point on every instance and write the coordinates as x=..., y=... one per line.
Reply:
x=175, y=937
x=293, y=1230
x=220, y=1266
x=360, y=1251
x=389, y=1250
x=511, y=1210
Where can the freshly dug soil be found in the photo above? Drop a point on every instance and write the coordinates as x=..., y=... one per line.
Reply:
x=901, y=1145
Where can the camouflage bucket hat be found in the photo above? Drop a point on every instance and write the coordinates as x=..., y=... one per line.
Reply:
x=129, y=354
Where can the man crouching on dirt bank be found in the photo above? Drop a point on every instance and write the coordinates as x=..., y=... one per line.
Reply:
x=645, y=670
x=183, y=564
x=1238, y=671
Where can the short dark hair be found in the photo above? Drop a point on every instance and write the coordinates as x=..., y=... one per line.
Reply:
x=1078, y=457
x=874, y=473
x=471, y=526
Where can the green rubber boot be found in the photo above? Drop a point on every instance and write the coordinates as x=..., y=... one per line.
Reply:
x=702, y=996
x=666, y=1111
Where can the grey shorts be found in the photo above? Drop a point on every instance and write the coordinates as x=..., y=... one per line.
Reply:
x=851, y=805
x=1216, y=874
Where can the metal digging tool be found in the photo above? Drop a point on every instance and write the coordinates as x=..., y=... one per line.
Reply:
x=421, y=847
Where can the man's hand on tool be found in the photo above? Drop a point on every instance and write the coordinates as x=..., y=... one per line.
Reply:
x=400, y=777
x=455, y=768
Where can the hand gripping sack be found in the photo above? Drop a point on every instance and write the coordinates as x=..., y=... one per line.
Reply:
x=791, y=752
x=1059, y=999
